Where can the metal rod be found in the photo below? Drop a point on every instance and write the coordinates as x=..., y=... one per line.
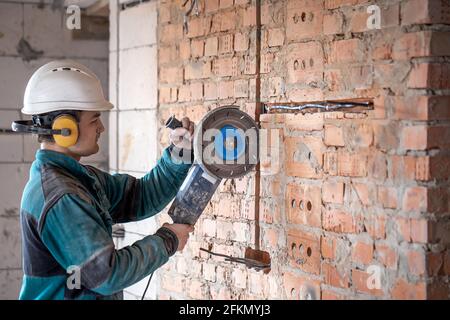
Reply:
x=327, y=105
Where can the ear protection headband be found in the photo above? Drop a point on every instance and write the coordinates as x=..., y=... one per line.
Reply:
x=63, y=127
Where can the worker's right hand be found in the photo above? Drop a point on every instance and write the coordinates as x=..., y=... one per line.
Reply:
x=182, y=232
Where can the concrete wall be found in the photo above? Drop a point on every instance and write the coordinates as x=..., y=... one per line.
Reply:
x=41, y=26
x=133, y=89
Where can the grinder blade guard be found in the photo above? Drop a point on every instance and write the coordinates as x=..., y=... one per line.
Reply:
x=225, y=147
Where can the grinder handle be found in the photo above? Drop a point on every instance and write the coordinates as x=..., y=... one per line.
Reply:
x=173, y=123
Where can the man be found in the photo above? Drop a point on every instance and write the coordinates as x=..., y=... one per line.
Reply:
x=68, y=209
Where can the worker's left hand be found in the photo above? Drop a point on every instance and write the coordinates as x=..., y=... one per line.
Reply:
x=182, y=137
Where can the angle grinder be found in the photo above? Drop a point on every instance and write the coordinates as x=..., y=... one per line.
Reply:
x=225, y=147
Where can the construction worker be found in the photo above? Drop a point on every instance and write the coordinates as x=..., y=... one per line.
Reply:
x=68, y=209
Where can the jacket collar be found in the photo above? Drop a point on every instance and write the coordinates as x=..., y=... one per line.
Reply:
x=63, y=161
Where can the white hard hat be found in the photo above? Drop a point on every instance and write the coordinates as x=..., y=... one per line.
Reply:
x=64, y=85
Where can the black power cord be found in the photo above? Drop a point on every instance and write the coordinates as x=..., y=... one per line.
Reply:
x=148, y=283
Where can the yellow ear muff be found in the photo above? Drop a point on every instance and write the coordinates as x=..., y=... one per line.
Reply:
x=65, y=122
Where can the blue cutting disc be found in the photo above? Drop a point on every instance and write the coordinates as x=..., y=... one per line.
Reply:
x=229, y=143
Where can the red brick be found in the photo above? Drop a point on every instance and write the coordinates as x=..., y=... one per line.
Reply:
x=304, y=19
x=248, y=209
x=414, y=137
x=328, y=246
x=331, y=295
x=358, y=20
x=303, y=205
x=403, y=168
x=412, y=45
x=185, y=50
x=425, y=12
x=413, y=230
x=360, y=283
x=386, y=136
x=197, y=48
x=167, y=55
x=173, y=283
x=184, y=93
x=226, y=44
x=361, y=77
x=275, y=37
x=430, y=75
x=224, y=67
x=171, y=75
x=303, y=122
x=197, y=289
x=333, y=192
x=211, y=45
x=351, y=164
x=345, y=51
x=415, y=199
x=211, y=92
x=241, y=89
x=335, y=80
x=272, y=238
x=241, y=41
x=171, y=33
x=226, y=4
x=249, y=16
x=375, y=226
x=305, y=94
x=297, y=287
x=226, y=89
x=416, y=262
x=227, y=20
x=166, y=95
x=362, y=252
x=305, y=62
x=197, y=70
x=224, y=230
x=333, y=277
x=304, y=250
x=334, y=136
x=164, y=13
x=211, y=5
x=363, y=193
x=333, y=4
x=239, y=278
x=266, y=63
x=340, y=222
x=386, y=255
x=304, y=157
x=209, y=271
x=197, y=27
x=209, y=227
x=409, y=291
x=387, y=197
x=196, y=91
x=333, y=23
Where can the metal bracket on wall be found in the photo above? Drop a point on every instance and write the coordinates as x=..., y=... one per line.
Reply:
x=249, y=263
x=354, y=105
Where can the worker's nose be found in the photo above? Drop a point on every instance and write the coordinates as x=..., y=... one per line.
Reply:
x=102, y=128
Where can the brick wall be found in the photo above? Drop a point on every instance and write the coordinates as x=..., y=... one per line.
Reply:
x=354, y=196
x=41, y=27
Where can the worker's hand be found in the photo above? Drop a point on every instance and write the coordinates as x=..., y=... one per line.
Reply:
x=182, y=137
x=182, y=231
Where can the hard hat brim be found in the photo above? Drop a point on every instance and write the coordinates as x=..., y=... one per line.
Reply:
x=45, y=107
